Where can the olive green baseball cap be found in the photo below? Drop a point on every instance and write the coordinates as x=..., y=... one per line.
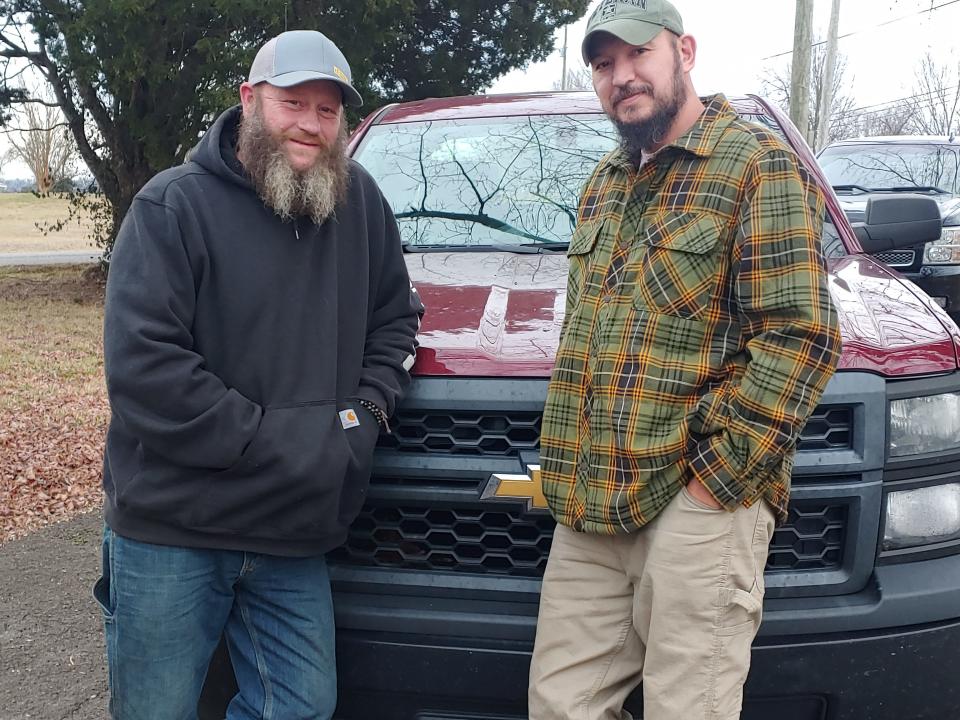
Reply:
x=636, y=22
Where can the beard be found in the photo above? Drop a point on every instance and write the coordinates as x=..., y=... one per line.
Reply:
x=291, y=193
x=641, y=135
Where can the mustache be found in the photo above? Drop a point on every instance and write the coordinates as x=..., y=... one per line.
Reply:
x=310, y=140
x=628, y=91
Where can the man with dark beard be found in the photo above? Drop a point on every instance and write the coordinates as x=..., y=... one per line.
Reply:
x=260, y=327
x=698, y=336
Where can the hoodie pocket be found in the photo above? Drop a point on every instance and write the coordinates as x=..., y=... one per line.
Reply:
x=288, y=481
x=361, y=440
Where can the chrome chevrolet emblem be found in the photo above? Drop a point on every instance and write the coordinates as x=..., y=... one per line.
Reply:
x=520, y=487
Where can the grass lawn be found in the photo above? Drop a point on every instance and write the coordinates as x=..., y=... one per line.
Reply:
x=53, y=403
x=19, y=215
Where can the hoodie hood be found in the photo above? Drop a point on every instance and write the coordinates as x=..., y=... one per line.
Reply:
x=217, y=149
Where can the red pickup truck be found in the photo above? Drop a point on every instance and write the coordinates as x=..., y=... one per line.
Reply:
x=436, y=589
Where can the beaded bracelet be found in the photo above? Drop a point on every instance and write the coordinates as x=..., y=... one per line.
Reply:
x=375, y=410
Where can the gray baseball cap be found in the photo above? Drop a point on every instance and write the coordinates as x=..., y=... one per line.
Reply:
x=636, y=22
x=299, y=56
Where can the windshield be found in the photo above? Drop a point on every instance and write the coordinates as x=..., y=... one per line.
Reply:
x=511, y=181
x=892, y=166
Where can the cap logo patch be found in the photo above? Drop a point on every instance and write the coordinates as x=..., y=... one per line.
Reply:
x=608, y=10
x=341, y=74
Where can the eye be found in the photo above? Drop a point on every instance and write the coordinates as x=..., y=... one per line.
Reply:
x=293, y=103
x=601, y=64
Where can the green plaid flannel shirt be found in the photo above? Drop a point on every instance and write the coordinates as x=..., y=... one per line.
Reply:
x=699, y=332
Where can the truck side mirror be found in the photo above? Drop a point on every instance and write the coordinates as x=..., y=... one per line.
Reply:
x=898, y=221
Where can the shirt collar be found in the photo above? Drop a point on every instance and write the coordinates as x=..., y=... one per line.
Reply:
x=700, y=139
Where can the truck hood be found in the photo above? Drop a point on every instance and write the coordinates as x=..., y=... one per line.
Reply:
x=499, y=314
x=854, y=207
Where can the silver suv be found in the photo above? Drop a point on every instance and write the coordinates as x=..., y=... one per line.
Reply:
x=869, y=167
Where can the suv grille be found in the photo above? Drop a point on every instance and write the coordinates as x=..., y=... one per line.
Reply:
x=505, y=541
x=500, y=434
x=897, y=258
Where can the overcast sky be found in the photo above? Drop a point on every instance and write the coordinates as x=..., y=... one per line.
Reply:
x=739, y=40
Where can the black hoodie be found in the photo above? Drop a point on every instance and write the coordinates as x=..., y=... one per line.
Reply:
x=235, y=347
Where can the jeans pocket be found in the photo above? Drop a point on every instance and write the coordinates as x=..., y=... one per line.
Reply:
x=102, y=589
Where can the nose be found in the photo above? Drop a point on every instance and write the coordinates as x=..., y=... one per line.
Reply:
x=309, y=122
x=623, y=73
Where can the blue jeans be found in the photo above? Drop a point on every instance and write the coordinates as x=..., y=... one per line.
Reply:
x=165, y=609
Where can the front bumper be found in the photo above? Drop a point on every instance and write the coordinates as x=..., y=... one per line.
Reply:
x=889, y=652
x=940, y=282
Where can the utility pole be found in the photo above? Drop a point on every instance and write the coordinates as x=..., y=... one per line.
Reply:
x=800, y=77
x=829, y=69
x=563, y=80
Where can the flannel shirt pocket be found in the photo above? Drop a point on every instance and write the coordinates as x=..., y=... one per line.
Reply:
x=581, y=246
x=679, y=268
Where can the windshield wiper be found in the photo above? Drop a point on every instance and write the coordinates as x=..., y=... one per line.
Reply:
x=850, y=188
x=913, y=188
x=544, y=248
x=539, y=244
x=478, y=218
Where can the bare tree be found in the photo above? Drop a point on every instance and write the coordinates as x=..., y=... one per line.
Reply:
x=577, y=79
x=895, y=119
x=43, y=142
x=937, y=97
x=842, y=121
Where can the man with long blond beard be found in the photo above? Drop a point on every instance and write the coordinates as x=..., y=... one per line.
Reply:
x=259, y=329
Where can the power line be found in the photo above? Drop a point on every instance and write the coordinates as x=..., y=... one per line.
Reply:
x=872, y=27
x=879, y=107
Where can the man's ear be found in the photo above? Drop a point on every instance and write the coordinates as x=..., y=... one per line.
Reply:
x=248, y=97
x=687, y=47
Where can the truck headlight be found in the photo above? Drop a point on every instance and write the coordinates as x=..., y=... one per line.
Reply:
x=922, y=516
x=924, y=424
x=946, y=250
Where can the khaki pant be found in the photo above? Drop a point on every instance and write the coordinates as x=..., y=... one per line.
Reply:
x=675, y=605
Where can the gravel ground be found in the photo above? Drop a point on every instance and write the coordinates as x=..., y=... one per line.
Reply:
x=52, y=663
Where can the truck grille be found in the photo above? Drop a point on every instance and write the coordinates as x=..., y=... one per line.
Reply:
x=464, y=433
x=507, y=434
x=813, y=538
x=505, y=541
x=828, y=428
x=502, y=541
x=897, y=258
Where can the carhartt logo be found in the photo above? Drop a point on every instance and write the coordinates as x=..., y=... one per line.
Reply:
x=340, y=74
x=520, y=487
x=349, y=419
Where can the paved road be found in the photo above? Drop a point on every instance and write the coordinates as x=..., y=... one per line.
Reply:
x=51, y=640
x=49, y=258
